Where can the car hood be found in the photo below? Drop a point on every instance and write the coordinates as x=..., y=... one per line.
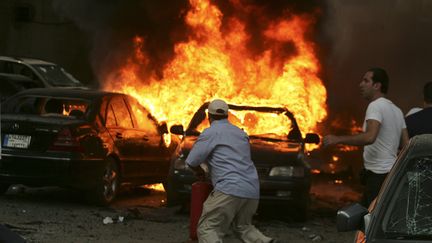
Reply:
x=274, y=151
x=262, y=151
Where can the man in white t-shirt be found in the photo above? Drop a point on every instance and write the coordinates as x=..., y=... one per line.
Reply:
x=384, y=132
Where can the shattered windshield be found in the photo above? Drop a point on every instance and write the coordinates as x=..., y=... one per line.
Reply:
x=410, y=213
x=57, y=76
x=268, y=125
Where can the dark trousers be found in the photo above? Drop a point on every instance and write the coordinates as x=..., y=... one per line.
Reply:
x=372, y=183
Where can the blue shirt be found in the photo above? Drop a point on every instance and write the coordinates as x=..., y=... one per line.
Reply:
x=226, y=149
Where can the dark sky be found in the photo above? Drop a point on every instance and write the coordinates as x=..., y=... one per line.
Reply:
x=352, y=36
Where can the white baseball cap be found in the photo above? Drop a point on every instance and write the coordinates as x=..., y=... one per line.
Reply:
x=218, y=107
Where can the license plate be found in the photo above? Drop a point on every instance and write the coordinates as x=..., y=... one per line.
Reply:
x=16, y=141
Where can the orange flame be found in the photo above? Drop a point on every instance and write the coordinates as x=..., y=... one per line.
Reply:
x=156, y=187
x=315, y=171
x=215, y=64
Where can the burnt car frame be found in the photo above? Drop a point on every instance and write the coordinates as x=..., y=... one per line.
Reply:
x=284, y=173
x=90, y=140
x=402, y=210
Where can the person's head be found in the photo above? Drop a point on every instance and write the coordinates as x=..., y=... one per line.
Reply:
x=427, y=93
x=374, y=84
x=217, y=110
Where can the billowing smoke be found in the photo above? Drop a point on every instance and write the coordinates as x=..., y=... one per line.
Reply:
x=390, y=34
x=351, y=36
x=112, y=25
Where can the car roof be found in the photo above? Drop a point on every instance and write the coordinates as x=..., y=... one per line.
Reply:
x=25, y=60
x=73, y=92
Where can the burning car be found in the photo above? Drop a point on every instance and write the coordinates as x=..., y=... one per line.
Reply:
x=279, y=155
x=90, y=140
x=401, y=212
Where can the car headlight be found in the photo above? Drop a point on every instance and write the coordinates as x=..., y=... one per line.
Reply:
x=291, y=171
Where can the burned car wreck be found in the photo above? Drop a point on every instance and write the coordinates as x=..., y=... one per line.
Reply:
x=94, y=141
x=277, y=151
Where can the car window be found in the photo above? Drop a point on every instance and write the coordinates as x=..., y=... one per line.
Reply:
x=7, y=89
x=16, y=68
x=121, y=113
x=56, y=75
x=410, y=210
x=110, y=118
x=143, y=118
x=47, y=106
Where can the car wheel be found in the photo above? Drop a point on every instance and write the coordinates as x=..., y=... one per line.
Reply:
x=109, y=183
x=4, y=188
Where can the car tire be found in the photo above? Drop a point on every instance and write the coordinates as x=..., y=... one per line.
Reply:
x=108, y=184
x=4, y=188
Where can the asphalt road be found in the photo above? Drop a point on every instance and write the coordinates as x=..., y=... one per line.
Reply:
x=60, y=215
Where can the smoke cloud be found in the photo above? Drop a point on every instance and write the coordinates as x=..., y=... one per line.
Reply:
x=390, y=34
x=112, y=25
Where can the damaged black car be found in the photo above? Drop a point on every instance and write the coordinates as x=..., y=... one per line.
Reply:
x=277, y=151
x=94, y=141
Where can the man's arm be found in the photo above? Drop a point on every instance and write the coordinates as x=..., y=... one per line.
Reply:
x=365, y=138
x=199, y=153
x=198, y=172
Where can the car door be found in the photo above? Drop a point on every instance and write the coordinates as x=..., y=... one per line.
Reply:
x=153, y=150
x=120, y=126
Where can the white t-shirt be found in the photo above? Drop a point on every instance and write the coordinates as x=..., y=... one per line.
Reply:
x=380, y=156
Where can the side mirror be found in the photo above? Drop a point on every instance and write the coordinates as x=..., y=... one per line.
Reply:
x=163, y=128
x=312, y=138
x=351, y=218
x=177, y=129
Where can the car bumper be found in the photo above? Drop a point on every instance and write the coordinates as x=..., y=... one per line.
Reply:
x=47, y=170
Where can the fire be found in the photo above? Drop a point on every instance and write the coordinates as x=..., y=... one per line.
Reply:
x=338, y=181
x=315, y=171
x=156, y=187
x=216, y=62
x=347, y=148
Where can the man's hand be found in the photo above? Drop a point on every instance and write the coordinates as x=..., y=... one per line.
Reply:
x=199, y=173
x=330, y=140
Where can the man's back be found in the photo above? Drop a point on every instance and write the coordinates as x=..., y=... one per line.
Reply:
x=419, y=122
x=229, y=159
